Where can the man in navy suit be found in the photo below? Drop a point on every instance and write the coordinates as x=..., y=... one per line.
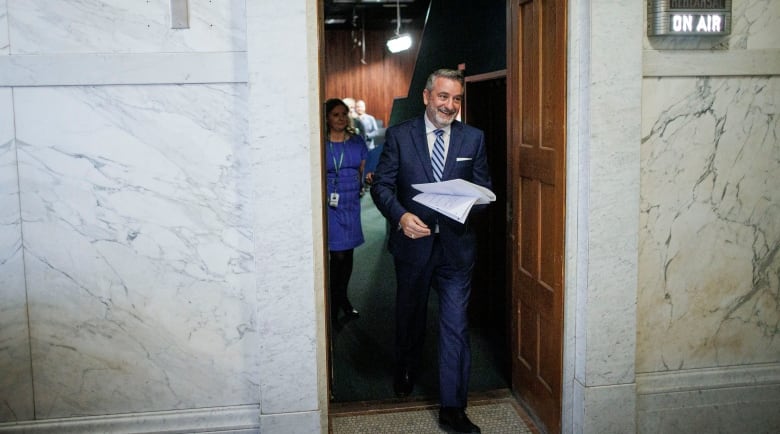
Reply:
x=430, y=249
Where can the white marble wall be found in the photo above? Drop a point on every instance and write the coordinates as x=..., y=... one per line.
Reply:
x=710, y=224
x=603, y=116
x=708, y=306
x=287, y=203
x=709, y=234
x=16, y=400
x=16, y=380
x=158, y=281
x=121, y=26
x=4, y=28
x=138, y=247
x=708, y=353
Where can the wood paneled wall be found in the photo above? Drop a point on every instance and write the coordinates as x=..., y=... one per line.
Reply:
x=382, y=78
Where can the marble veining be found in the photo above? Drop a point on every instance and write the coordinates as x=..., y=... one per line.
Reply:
x=282, y=164
x=162, y=277
x=756, y=24
x=16, y=401
x=3, y=28
x=119, y=26
x=138, y=247
x=709, y=291
x=611, y=166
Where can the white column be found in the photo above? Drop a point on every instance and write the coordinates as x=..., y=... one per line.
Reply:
x=283, y=52
x=604, y=132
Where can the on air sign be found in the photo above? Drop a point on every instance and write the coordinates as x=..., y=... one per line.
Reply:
x=688, y=17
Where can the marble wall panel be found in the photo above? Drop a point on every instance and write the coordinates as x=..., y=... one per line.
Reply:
x=285, y=137
x=120, y=26
x=138, y=247
x=709, y=258
x=3, y=27
x=16, y=379
x=614, y=113
x=756, y=24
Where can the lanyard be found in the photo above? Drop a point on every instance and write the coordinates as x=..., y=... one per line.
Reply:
x=336, y=165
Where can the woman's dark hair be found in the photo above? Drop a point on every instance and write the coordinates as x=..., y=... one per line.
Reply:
x=329, y=106
x=333, y=103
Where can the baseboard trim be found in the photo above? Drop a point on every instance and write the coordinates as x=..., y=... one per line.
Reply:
x=707, y=378
x=733, y=399
x=236, y=419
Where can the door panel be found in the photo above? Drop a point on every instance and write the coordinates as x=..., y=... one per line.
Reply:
x=536, y=103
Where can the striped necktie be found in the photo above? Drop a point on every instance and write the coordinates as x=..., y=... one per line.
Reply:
x=437, y=157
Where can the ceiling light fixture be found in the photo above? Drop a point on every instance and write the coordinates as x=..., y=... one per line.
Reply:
x=399, y=42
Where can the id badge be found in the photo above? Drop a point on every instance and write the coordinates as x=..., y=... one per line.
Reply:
x=334, y=200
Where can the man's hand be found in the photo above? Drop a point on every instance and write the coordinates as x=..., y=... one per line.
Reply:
x=413, y=227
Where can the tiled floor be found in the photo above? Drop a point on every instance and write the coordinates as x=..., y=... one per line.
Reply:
x=494, y=412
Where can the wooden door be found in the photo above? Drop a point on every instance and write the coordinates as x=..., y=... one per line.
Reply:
x=536, y=102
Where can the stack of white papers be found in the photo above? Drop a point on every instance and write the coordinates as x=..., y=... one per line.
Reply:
x=453, y=198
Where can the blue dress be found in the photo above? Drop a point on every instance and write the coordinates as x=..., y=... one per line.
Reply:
x=342, y=160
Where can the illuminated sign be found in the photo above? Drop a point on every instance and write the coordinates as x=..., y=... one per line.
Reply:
x=688, y=17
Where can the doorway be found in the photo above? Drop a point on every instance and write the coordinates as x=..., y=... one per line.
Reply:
x=362, y=354
x=361, y=349
x=532, y=188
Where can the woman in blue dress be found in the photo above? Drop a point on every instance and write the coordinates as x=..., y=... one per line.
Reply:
x=345, y=160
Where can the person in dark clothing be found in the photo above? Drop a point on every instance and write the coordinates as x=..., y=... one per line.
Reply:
x=430, y=249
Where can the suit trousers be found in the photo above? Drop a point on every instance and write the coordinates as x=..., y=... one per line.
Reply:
x=453, y=285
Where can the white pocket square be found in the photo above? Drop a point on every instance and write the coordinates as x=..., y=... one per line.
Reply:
x=462, y=159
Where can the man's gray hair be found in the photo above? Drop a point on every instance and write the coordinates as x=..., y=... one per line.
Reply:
x=452, y=74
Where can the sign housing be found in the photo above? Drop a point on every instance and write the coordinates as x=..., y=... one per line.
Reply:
x=688, y=17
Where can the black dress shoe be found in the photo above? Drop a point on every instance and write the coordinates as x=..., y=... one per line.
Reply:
x=403, y=383
x=455, y=419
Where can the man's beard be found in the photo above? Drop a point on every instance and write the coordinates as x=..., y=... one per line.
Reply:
x=445, y=117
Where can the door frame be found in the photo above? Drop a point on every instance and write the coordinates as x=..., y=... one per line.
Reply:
x=589, y=90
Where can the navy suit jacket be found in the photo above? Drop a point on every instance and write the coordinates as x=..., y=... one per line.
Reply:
x=405, y=160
